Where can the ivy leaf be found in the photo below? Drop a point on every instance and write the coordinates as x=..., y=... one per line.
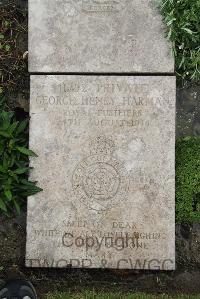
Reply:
x=12, y=127
x=4, y=134
x=26, y=151
x=8, y=194
x=21, y=127
x=3, y=206
x=21, y=170
x=17, y=206
x=2, y=169
x=5, y=161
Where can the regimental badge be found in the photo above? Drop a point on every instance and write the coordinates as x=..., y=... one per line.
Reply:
x=100, y=181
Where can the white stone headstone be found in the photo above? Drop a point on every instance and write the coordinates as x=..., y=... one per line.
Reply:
x=105, y=148
x=105, y=36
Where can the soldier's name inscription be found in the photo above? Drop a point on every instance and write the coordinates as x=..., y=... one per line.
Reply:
x=103, y=109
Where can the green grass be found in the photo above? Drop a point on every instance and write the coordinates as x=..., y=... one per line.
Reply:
x=188, y=179
x=182, y=18
x=94, y=295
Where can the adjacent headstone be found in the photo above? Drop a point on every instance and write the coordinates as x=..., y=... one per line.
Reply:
x=105, y=36
x=105, y=148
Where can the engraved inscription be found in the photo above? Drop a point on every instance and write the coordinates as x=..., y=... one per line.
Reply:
x=100, y=181
x=97, y=6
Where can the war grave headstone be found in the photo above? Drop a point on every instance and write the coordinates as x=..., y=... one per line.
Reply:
x=105, y=143
x=97, y=36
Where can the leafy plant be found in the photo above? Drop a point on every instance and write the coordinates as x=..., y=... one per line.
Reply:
x=188, y=179
x=14, y=164
x=182, y=18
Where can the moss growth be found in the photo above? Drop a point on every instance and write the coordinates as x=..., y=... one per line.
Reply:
x=188, y=180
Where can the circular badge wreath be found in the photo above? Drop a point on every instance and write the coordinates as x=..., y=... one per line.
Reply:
x=100, y=181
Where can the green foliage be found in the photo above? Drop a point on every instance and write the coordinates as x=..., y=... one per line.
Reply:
x=14, y=164
x=188, y=179
x=182, y=18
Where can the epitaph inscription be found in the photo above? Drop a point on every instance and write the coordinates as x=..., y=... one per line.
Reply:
x=106, y=166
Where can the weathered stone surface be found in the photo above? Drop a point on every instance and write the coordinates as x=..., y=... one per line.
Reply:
x=106, y=165
x=97, y=36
